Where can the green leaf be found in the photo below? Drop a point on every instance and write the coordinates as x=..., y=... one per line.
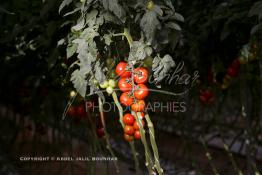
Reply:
x=86, y=54
x=71, y=50
x=72, y=12
x=115, y=8
x=149, y=23
x=169, y=4
x=61, y=42
x=78, y=78
x=80, y=24
x=63, y=4
x=91, y=17
x=108, y=38
x=109, y=17
x=161, y=67
x=158, y=10
x=99, y=74
x=174, y=26
x=179, y=17
x=139, y=51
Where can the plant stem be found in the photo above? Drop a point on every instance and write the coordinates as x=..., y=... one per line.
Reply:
x=120, y=109
x=106, y=134
x=128, y=36
x=209, y=157
x=153, y=143
x=149, y=163
x=133, y=149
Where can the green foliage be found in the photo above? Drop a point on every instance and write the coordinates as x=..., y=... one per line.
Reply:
x=161, y=66
x=95, y=31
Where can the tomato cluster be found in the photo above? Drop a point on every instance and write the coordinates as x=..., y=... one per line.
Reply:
x=134, y=91
x=232, y=72
x=131, y=129
x=132, y=85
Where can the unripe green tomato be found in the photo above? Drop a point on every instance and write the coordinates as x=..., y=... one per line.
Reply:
x=242, y=60
x=110, y=62
x=63, y=65
x=72, y=93
x=148, y=62
x=112, y=83
x=150, y=5
x=104, y=84
x=109, y=90
x=251, y=56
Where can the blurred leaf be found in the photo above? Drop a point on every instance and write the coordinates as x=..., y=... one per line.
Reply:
x=256, y=29
x=256, y=9
x=173, y=25
x=6, y=11
x=179, y=17
x=63, y=4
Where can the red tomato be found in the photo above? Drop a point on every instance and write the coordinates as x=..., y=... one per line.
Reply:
x=138, y=106
x=128, y=119
x=141, y=91
x=128, y=138
x=121, y=70
x=100, y=132
x=208, y=94
x=137, y=135
x=126, y=99
x=125, y=84
x=202, y=98
x=235, y=64
x=142, y=115
x=71, y=111
x=136, y=125
x=140, y=75
x=232, y=72
x=129, y=130
x=80, y=110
